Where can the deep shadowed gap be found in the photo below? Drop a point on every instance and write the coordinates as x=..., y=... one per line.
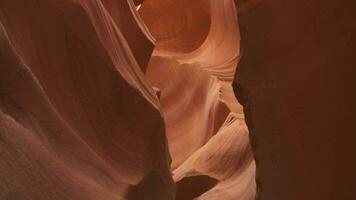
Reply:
x=191, y=187
x=149, y=188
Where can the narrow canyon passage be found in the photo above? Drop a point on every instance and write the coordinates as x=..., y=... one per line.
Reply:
x=122, y=100
x=177, y=100
x=193, y=65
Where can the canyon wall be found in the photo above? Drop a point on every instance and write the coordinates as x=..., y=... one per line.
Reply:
x=296, y=80
x=78, y=118
x=177, y=99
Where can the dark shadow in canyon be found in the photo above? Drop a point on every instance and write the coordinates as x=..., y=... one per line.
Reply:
x=191, y=187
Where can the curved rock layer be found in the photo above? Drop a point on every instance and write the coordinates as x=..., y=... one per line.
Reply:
x=78, y=118
x=100, y=101
x=193, y=65
x=135, y=99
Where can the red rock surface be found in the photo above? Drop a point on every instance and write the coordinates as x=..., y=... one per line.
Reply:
x=135, y=100
x=296, y=79
x=78, y=118
x=197, y=97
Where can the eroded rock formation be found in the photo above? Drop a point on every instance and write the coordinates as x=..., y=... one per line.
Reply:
x=78, y=118
x=135, y=99
x=196, y=94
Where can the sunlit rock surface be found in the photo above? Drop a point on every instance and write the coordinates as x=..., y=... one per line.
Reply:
x=160, y=100
x=205, y=126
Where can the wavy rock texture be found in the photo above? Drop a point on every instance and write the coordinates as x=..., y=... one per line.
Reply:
x=135, y=99
x=193, y=64
x=78, y=118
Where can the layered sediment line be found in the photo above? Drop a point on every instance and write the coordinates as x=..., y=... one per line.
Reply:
x=79, y=121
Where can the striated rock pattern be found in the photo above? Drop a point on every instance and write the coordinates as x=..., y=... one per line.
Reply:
x=205, y=128
x=78, y=118
x=160, y=100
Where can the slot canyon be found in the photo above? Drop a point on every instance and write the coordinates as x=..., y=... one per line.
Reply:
x=177, y=100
